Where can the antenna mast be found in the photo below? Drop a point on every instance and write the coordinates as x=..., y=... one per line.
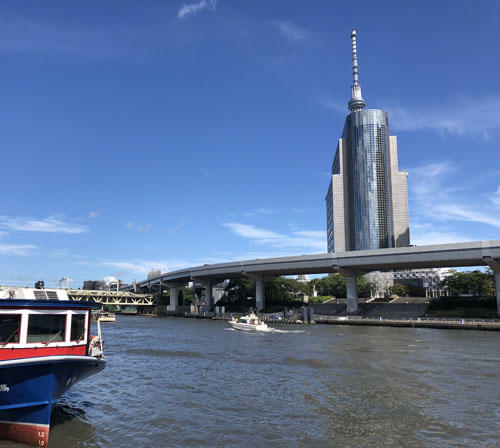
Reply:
x=356, y=102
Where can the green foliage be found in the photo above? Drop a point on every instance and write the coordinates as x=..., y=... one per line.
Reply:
x=279, y=292
x=164, y=299
x=453, y=302
x=239, y=289
x=416, y=291
x=319, y=299
x=335, y=285
x=331, y=285
x=479, y=307
x=470, y=312
x=477, y=283
x=236, y=295
x=186, y=296
x=364, y=287
x=284, y=291
x=398, y=290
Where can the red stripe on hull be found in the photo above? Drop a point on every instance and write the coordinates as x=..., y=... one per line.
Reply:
x=36, y=435
x=18, y=353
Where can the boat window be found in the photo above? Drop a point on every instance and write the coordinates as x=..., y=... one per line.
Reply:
x=46, y=328
x=77, y=327
x=9, y=328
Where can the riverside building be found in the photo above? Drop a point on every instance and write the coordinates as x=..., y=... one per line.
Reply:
x=367, y=200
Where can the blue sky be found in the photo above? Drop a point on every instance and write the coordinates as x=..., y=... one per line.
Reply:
x=163, y=134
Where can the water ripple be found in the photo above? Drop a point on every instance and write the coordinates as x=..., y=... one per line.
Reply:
x=191, y=383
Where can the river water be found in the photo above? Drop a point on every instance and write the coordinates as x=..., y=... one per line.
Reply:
x=173, y=382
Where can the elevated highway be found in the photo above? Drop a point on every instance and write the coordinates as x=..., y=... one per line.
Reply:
x=351, y=264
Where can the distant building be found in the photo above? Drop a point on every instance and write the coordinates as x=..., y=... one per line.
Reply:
x=96, y=285
x=303, y=278
x=367, y=199
x=429, y=279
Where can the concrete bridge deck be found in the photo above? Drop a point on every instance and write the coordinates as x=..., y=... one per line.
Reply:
x=351, y=264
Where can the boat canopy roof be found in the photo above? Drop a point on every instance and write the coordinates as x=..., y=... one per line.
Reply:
x=15, y=292
x=67, y=304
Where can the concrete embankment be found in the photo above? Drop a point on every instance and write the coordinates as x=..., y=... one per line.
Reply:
x=460, y=324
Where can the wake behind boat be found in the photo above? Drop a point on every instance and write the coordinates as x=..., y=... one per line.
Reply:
x=44, y=349
x=250, y=322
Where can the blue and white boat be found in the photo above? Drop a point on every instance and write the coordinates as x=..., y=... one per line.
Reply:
x=44, y=349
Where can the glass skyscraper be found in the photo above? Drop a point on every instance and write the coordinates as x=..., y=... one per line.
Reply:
x=367, y=200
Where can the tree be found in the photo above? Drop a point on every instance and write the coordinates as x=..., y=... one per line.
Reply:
x=398, y=289
x=331, y=285
x=416, y=291
x=282, y=290
x=335, y=285
x=476, y=283
x=186, y=295
x=239, y=289
x=364, y=287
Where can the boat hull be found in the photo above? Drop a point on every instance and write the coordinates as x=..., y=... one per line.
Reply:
x=30, y=387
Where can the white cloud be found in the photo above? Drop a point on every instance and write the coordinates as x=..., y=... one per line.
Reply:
x=51, y=224
x=178, y=227
x=259, y=211
x=467, y=117
x=249, y=231
x=59, y=253
x=143, y=266
x=433, y=201
x=110, y=279
x=495, y=198
x=129, y=225
x=22, y=34
x=334, y=104
x=306, y=239
x=463, y=118
x=188, y=9
x=23, y=250
x=94, y=214
x=291, y=32
x=422, y=234
x=144, y=227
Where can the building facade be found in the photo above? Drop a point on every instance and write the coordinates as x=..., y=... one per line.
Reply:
x=367, y=199
x=95, y=285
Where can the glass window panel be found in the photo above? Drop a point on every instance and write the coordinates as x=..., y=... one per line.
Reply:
x=9, y=328
x=46, y=328
x=77, y=327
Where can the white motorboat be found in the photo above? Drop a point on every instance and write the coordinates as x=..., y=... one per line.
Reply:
x=250, y=322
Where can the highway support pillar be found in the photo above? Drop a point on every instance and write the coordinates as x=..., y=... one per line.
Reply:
x=497, y=287
x=209, y=298
x=260, y=300
x=174, y=299
x=308, y=314
x=352, y=294
x=495, y=267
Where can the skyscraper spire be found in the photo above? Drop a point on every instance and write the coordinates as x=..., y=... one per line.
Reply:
x=356, y=102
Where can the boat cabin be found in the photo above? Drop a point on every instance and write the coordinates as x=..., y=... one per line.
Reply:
x=249, y=321
x=42, y=322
